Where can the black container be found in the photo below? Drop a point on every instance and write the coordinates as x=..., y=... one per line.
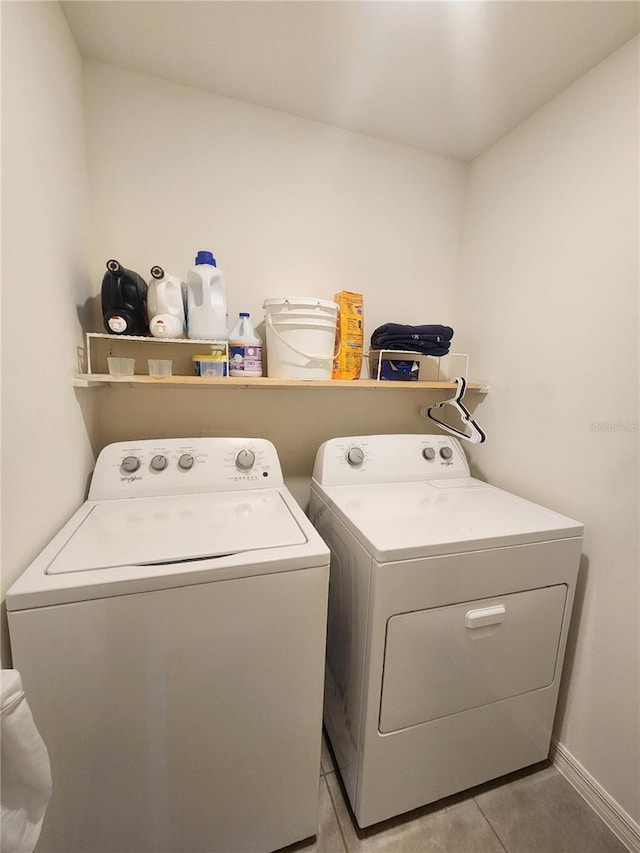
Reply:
x=124, y=301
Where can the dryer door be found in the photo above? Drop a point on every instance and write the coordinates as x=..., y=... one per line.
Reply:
x=445, y=660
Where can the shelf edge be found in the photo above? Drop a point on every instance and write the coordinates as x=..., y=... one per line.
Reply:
x=95, y=380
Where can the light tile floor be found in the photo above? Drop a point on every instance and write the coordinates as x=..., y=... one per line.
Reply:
x=532, y=811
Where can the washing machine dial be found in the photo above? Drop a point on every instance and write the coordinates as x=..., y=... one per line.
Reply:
x=429, y=453
x=245, y=460
x=446, y=452
x=355, y=456
x=185, y=463
x=130, y=464
x=159, y=463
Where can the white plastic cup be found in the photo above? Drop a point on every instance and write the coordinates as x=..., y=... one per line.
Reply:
x=160, y=367
x=121, y=366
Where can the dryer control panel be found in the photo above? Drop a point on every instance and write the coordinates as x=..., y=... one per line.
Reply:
x=361, y=459
x=178, y=466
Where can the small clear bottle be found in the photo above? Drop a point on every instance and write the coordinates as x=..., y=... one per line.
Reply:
x=245, y=348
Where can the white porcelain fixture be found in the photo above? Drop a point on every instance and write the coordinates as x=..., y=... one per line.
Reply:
x=449, y=608
x=171, y=639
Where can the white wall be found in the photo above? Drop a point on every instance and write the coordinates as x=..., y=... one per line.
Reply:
x=289, y=207
x=548, y=305
x=46, y=453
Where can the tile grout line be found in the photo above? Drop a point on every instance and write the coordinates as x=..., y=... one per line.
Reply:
x=491, y=826
x=335, y=812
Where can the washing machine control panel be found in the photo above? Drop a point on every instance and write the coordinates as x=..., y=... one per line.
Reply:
x=245, y=459
x=185, y=462
x=389, y=459
x=184, y=466
x=355, y=456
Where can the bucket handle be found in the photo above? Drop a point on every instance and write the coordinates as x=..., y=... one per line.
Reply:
x=298, y=351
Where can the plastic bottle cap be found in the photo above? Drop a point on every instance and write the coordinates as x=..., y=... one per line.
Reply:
x=205, y=258
x=243, y=314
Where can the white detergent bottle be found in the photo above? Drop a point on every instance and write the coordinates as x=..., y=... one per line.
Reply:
x=165, y=302
x=207, y=312
x=245, y=349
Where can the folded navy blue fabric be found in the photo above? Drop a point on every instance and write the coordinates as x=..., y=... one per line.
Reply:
x=428, y=340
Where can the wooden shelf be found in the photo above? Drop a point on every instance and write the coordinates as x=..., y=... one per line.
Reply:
x=129, y=345
x=89, y=380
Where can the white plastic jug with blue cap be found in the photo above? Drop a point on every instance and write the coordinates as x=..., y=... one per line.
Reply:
x=207, y=310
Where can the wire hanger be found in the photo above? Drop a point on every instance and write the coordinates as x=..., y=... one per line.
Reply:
x=475, y=434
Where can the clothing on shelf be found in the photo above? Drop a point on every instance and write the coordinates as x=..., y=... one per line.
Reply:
x=427, y=339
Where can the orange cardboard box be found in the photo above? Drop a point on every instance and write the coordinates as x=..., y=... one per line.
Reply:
x=349, y=335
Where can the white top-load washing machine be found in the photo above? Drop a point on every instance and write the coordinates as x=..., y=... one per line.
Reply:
x=449, y=607
x=171, y=641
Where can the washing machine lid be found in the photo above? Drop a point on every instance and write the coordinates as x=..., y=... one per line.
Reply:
x=179, y=528
x=397, y=521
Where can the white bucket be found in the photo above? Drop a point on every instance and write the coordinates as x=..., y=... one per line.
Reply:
x=301, y=336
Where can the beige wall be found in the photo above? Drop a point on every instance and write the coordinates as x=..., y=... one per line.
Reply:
x=289, y=207
x=548, y=302
x=46, y=452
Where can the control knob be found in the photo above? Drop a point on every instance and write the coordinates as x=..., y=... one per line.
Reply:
x=428, y=453
x=159, y=463
x=130, y=464
x=245, y=460
x=446, y=452
x=355, y=456
x=185, y=463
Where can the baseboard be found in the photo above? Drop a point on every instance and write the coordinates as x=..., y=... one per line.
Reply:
x=619, y=822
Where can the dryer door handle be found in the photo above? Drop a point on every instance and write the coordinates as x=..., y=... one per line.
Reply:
x=485, y=616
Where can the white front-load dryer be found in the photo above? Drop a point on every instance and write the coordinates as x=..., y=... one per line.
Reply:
x=449, y=607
